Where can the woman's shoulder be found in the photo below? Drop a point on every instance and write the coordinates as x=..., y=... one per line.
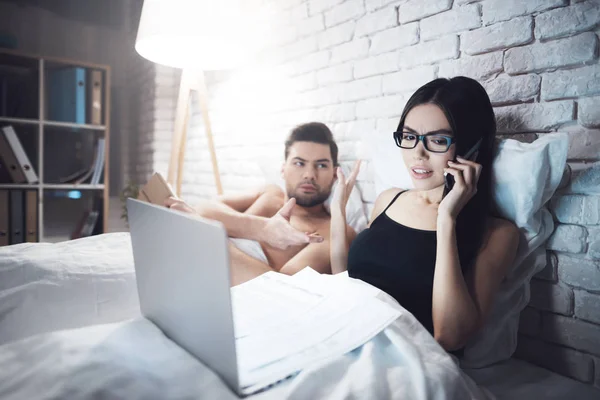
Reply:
x=389, y=194
x=501, y=231
x=383, y=200
x=501, y=224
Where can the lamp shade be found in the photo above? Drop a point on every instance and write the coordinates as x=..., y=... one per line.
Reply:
x=202, y=34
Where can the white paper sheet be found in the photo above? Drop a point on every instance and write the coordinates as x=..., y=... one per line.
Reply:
x=284, y=323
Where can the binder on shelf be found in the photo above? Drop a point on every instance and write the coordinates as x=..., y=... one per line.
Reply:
x=4, y=218
x=86, y=224
x=76, y=234
x=9, y=161
x=99, y=165
x=16, y=217
x=67, y=95
x=21, y=156
x=83, y=175
x=94, y=105
x=90, y=223
x=4, y=174
x=31, y=216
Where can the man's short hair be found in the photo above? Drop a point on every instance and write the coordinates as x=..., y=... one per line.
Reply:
x=315, y=132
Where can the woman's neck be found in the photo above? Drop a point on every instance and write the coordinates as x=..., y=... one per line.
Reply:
x=431, y=196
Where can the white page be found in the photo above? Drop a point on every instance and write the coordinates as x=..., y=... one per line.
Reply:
x=286, y=323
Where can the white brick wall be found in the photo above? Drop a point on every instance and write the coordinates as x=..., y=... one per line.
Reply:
x=353, y=64
x=567, y=52
x=504, y=10
x=414, y=10
x=498, y=36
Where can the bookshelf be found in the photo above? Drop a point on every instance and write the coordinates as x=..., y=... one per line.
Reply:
x=59, y=146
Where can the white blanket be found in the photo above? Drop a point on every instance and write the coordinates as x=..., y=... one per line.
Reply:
x=133, y=359
x=89, y=281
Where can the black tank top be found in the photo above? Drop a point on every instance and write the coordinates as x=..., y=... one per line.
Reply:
x=398, y=260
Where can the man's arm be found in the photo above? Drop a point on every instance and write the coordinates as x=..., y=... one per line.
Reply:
x=231, y=209
x=275, y=231
x=265, y=201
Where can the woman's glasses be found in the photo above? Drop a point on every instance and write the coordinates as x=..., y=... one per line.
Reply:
x=433, y=142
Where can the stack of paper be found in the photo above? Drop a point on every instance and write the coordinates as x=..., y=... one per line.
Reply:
x=286, y=323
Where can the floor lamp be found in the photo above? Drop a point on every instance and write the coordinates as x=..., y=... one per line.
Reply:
x=196, y=36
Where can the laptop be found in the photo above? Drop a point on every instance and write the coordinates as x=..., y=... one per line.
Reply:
x=182, y=272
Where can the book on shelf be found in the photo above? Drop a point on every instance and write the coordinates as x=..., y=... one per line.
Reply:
x=20, y=156
x=99, y=165
x=31, y=216
x=18, y=216
x=16, y=219
x=66, y=96
x=4, y=173
x=88, y=224
x=95, y=81
x=84, y=174
x=14, y=158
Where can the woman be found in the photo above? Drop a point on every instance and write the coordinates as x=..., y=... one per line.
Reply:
x=442, y=258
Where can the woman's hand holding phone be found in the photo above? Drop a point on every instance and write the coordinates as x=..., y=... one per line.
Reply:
x=466, y=175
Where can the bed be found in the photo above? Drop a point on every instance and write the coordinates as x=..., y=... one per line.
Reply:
x=70, y=327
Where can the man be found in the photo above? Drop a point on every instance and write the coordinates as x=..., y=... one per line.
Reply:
x=291, y=226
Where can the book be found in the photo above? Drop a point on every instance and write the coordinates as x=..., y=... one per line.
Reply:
x=67, y=95
x=16, y=217
x=4, y=174
x=99, y=165
x=31, y=216
x=90, y=223
x=21, y=156
x=156, y=191
x=9, y=161
x=82, y=175
x=94, y=101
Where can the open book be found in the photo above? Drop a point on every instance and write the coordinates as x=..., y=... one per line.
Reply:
x=156, y=191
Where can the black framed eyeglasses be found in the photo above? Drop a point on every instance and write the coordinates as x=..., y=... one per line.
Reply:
x=433, y=142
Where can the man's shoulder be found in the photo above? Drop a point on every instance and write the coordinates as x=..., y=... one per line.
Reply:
x=273, y=190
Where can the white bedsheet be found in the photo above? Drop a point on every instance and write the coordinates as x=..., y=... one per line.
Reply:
x=82, y=283
x=133, y=359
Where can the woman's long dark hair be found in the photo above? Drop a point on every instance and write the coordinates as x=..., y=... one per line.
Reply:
x=471, y=116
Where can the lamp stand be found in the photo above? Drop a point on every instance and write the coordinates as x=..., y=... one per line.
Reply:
x=190, y=81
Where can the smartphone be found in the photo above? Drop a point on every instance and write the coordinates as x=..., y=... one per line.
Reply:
x=156, y=191
x=449, y=179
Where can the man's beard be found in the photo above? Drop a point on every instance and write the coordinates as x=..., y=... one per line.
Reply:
x=309, y=200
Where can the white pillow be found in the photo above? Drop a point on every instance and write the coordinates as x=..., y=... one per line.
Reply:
x=525, y=176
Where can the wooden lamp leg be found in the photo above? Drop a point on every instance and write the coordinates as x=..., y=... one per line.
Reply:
x=203, y=100
x=200, y=86
x=179, y=131
x=190, y=81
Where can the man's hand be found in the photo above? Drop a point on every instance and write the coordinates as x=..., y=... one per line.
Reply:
x=177, y=204
x=280, y=234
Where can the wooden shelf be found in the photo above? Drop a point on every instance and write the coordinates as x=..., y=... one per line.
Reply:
x=25, y=121
x=50, y=186
x=58, y=124
x=49, y=216
x=19, y=185
x=71, y=186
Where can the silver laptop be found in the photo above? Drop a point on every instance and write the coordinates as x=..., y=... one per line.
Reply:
x=182, y=271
